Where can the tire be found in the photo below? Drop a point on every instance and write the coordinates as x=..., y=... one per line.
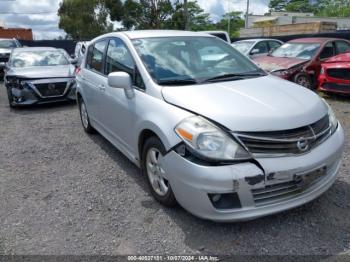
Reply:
x=84, y=117
x=303, y=80
x=160, y=187
x=10, y=98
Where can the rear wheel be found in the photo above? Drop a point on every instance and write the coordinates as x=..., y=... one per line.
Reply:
x=152, y=156
x=303, y=80
x=84, y=116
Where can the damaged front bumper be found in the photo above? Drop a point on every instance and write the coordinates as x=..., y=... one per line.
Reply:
x=43, y=91
x=246, y=191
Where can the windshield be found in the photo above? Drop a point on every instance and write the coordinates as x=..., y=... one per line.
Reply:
x=39, y=58
x=243, y=47
x=191, y=58
x=8, y=44
x=298, y=50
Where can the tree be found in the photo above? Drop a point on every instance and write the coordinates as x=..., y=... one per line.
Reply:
x=333, y=8
x=278, y=5
x=291, y=6
x=197, y=19
x=140, y=14
x=82, y=19
x=236, y=22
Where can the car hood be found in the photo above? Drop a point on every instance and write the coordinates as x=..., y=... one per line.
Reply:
x=43, y=71
x=5, y=50
x=260, y=104
x=339, y=58
x=270, y=63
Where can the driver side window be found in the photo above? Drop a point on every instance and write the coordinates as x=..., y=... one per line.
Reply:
x=328, y=51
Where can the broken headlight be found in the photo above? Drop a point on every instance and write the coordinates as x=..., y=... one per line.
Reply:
x=209, y=141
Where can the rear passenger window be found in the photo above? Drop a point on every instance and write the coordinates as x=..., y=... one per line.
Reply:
x=118, y=57
x=342, y=47
x=274, y=45
x=262, y=47
x=95, y=56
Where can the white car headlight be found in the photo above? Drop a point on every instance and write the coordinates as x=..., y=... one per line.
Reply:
x=333, y=121
x=209, y=141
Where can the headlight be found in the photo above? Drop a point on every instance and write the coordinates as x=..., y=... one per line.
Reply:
x=286, y=72
x=333, y=121
x=209, y=141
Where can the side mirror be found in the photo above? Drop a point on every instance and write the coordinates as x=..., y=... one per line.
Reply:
x=121, y=80
x=73, y=61
x=255, y=51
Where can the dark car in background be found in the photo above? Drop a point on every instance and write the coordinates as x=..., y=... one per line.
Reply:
x=6, y=46
x=300, y=60
x=38, y=75
x=335, y=75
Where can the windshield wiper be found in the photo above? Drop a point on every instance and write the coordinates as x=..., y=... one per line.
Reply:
x=188, y=81
x=233, y=76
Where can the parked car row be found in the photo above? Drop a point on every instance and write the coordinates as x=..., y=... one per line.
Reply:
x=209, y=129
x=315, y=63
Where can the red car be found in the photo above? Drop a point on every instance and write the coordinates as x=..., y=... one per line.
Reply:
x=335, y=75
x=300, y=60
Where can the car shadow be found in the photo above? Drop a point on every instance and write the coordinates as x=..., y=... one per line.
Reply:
x=306, y=230
x=40, y=108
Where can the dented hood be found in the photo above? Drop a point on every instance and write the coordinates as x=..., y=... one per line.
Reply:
x=260, y=104
x=271, y=63
x=43, y=71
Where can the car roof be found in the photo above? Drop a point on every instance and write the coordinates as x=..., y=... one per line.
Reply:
x=158, y=33
x=313, y=40
x=258, y=39
x=13, y=39
x=27, y=49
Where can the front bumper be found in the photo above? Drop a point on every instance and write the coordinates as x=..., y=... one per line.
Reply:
x=27, y=95
x=192, y=183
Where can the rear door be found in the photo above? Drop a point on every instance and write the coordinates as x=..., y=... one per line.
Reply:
x=92, y=77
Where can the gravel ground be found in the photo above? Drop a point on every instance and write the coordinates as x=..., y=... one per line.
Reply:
x=64, y=192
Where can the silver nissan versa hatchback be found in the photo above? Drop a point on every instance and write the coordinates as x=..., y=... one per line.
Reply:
x=209, y=129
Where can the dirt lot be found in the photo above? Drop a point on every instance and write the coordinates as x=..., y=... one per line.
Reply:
x=64, y=192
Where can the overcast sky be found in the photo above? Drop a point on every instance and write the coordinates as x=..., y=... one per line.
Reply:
x=45, y=26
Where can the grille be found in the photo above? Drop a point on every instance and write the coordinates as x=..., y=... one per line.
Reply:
x=339, y=73
x=273, y=193
x=339, y=87
x=295, y=141
x=51, y=89
x=4, y=57
x=282, y=191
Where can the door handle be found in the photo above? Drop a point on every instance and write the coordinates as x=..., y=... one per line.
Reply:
x=102, y=87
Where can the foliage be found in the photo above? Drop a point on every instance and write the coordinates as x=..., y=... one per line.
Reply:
x=82, y=19
x=333, y=8
x=291, y=6
x=198, y=19
x=236, y=22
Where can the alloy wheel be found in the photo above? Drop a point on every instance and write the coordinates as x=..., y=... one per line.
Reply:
x=155, y=172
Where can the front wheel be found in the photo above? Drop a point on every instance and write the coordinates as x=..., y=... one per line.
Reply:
x=152, y=156
x=303, y=80
x=85, y=120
